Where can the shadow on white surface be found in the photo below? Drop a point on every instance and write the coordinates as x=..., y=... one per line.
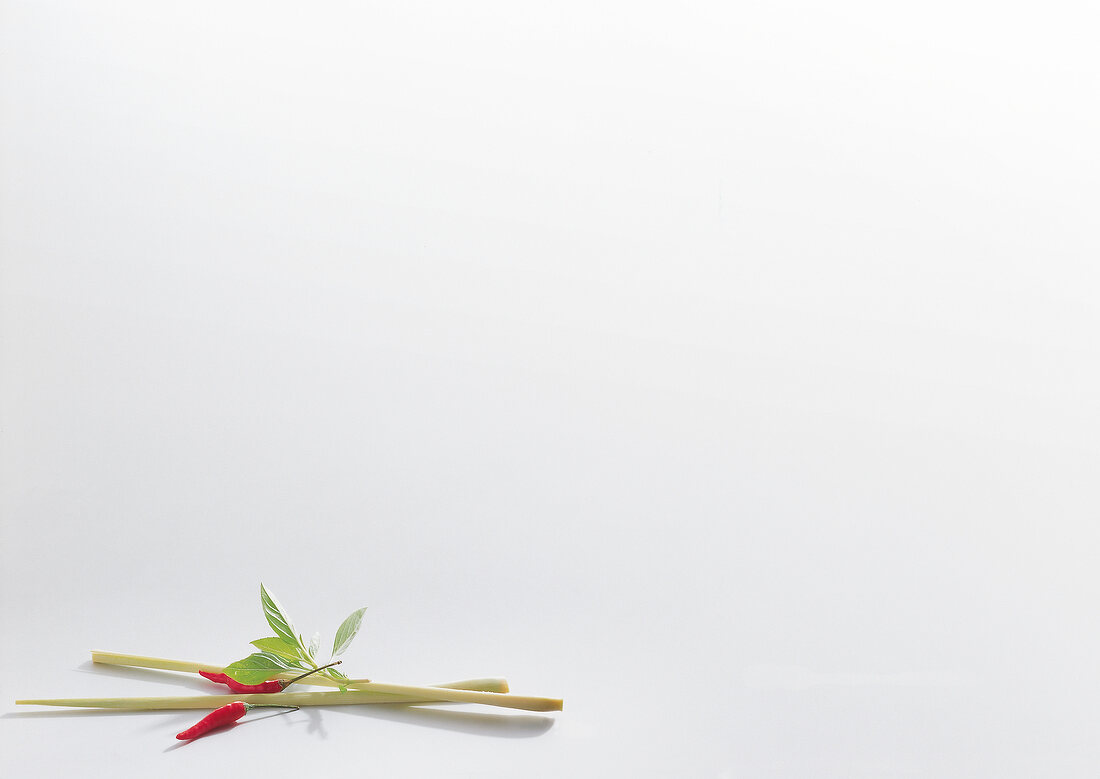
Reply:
x=499, y=725
x=476, y=723
x=191, y=681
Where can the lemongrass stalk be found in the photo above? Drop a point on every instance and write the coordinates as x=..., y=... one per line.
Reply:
x=525, y=702
x=140, y=661
x=378, y=693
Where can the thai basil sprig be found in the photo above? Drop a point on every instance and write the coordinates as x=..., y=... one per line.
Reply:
x=287, y=650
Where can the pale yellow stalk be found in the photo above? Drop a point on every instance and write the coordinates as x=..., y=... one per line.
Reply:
x=140, y=661
x=468, y=691
x=377, y=693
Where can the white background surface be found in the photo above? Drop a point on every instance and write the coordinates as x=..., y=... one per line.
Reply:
x=728, y=370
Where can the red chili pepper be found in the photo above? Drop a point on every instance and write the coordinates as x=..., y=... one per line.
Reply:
x=235, y=686
x=274, y=685
x=230, y=712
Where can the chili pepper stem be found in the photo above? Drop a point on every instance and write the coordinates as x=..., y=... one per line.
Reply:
x=251, y=706
x=285, y=684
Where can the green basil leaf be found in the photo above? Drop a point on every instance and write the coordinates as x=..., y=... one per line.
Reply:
x=257, y=667
x=277, y=617
x=347, y=632
x=277, y=646
x=314, y=645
